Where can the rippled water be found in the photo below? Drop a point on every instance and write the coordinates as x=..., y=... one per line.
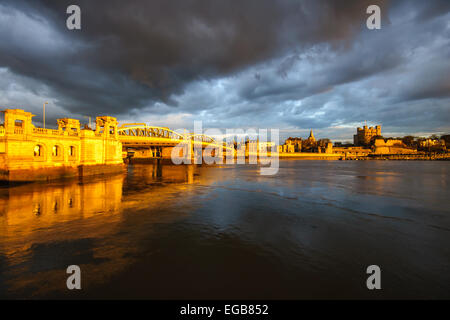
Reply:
x=165, y=231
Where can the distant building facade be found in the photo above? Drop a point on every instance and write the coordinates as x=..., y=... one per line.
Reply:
x=297, y=144
x=292, y=145
x=429, y=142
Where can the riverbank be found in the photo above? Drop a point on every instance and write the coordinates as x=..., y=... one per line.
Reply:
x=339, y=156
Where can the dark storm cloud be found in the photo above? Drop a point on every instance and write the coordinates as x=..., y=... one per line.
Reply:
x=133, y=54
x=433, y=9
x=300, y=64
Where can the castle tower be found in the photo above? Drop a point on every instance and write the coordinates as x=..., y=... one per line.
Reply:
x=365, y=134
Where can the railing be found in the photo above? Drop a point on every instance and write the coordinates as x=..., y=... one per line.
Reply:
x=40, y=130
x=52, y=132
x=57, y=132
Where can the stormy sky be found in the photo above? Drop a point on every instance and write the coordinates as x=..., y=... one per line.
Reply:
x=292, y=65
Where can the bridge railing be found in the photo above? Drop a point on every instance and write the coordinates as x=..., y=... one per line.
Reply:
x=16, y=131
x=53, y=132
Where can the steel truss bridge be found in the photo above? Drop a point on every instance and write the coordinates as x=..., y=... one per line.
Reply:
x=140, y=135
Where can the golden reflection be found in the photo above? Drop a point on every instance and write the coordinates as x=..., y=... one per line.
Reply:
x=36, y=216
x=20, y=206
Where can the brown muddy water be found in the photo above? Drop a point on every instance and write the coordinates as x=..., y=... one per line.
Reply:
x=207, y=232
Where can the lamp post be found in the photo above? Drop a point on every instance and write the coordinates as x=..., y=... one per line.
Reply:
x=44, y=112
x=89, y=121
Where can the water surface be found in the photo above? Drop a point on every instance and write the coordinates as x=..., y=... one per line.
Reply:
x=171, y=232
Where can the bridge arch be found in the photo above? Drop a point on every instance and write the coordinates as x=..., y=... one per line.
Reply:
x=142, y=130
x=204, y=138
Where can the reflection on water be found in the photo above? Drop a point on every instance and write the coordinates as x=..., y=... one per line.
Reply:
x=165, y=231
x=45, y=226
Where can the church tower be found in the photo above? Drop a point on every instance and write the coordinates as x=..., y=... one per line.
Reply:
x=311, y=136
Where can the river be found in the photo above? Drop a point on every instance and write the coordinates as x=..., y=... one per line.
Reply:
x=226, y=232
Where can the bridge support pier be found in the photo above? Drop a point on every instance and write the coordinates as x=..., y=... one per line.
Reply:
x=28, y=153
